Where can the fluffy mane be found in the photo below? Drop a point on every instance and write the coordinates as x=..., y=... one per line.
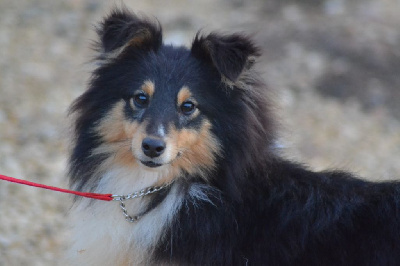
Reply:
x=199, y=122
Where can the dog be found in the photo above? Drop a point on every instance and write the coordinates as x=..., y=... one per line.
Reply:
x=187, y=139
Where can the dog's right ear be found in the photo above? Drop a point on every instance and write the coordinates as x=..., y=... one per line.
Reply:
x=123, y=29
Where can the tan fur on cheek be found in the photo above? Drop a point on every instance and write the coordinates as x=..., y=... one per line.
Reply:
x=111, y=127
x=116, y=134
x=198, y=149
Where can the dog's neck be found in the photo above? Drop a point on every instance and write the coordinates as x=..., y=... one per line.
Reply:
x=138, y=194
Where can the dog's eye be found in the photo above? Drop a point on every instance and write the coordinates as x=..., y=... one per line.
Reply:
x=188, y=108
x=140, y=100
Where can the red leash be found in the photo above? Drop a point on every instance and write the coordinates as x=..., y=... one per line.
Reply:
x=106, y=197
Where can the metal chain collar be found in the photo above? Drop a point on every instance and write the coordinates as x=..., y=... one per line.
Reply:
x=136, y=194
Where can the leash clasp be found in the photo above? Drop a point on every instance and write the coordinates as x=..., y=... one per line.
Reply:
x=118, y=197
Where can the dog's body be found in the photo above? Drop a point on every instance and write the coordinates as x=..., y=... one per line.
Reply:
x=200, y=121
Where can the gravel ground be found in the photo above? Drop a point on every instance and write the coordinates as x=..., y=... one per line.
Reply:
x=333, y=65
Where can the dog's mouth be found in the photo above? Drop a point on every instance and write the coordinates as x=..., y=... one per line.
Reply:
x=155, y=164
x=151, y=164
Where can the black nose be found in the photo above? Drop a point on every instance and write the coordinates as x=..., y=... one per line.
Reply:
x=153, y=147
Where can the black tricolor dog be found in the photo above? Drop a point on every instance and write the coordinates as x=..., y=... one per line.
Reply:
x=200, y=120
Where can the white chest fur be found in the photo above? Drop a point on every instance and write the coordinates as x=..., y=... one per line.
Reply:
x=101, y=236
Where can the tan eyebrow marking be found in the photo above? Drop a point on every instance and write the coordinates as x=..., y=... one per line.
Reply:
x=183, y=95
x=148, y=87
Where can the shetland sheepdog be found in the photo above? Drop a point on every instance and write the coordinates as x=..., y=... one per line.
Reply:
x=188, y=136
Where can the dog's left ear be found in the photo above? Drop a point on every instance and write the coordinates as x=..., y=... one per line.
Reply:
x=229, y=54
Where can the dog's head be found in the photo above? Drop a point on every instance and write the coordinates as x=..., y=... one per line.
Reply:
x=162, y=108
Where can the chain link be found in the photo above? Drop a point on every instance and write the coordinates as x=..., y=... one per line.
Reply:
x=136, y=194
x=125, y=213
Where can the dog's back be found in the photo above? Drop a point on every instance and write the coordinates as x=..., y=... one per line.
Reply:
x=197, y=124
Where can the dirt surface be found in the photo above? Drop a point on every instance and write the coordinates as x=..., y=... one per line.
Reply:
x=333, y=64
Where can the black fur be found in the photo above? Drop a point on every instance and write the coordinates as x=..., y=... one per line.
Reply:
x=120, y=27
x=259, y=209
x=293, y=217
x=229, y=54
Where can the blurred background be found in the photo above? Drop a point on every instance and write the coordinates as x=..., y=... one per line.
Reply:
x=333, y=64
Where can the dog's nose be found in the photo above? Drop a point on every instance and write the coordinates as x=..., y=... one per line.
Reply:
x=153, y=147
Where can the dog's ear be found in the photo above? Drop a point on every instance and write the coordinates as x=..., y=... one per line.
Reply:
x=122, y=29
x=230, y=54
